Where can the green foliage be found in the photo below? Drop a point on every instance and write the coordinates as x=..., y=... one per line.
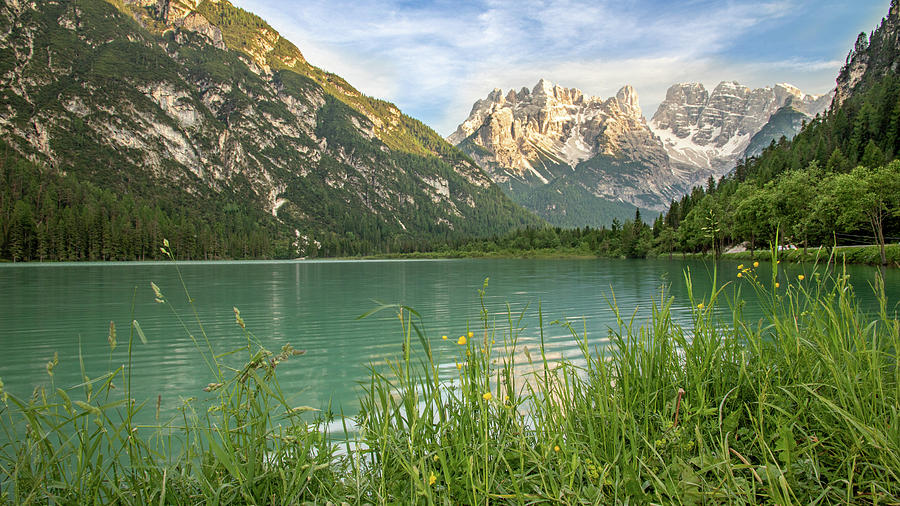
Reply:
x=240, y=442
x=240, y=29
x=633, y=239
x=736, y=413
x=46, y=216
x=808, y=207
x=862, y=123
x=864, y=255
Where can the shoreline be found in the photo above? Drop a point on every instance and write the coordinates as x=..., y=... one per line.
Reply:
x=861, y=255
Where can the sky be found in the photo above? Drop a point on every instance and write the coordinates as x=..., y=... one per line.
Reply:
x=434, y=59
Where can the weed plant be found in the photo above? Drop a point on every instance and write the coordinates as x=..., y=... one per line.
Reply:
x=798, y=407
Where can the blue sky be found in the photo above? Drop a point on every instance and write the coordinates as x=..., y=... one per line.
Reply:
x=434, y=59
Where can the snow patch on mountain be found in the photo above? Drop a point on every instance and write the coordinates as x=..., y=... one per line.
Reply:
x=712, y=130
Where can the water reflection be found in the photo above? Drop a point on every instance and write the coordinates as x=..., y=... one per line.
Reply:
x=314, y=306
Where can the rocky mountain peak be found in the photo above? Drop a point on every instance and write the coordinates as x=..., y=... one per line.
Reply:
x=224, y=26
x=543, y=87
x=789, y=89
x=628, y=101
x=539, y=135
x=681, y=107
x=712, y=130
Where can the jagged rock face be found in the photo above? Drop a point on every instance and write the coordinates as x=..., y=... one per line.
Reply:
x=712, y=130
x=538, y=135
x=522, y=130
x=872, y=57
x=152, y=92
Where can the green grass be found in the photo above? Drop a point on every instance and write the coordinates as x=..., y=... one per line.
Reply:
x=799, y=407
x=867, y=255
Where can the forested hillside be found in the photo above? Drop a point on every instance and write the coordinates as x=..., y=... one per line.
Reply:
x=50, y=216
x=195, y=120
x=836, y=181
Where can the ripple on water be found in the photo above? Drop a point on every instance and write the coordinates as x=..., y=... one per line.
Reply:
x=314, y=306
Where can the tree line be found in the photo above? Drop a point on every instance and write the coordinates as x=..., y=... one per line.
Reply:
x=49, y=216
x=835, y=179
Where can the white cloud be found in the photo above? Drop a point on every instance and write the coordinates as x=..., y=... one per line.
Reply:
x=650, y=77
x=435, y=60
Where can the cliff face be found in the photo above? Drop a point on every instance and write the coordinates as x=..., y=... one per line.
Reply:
x=871, y=57
x=535, y=136
x=525, y=130
x=713, y=130
x=197, y=97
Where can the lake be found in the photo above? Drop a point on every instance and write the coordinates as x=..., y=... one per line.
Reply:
x=314, y=306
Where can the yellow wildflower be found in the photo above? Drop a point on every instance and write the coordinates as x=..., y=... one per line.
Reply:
x=435, y=459
x=777, y=284
x=487, y=396
x=556, y=448
x=458, y=365
x=755, y=264
x=461, y=341
x=740, y=266
x=471, y=334
x=740, y=275
x=432, y=479
x=801, y=277
x=444, y=338
x=700, y=306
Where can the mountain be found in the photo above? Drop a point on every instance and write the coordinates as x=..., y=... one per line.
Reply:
x=551, y=135
x=872, y=58
x=786, y=122
x=576, y=159
x=712, y=131
x=204, y=111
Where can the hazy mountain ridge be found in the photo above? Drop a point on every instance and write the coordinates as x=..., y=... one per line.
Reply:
x=201, y=98
x=786, y=122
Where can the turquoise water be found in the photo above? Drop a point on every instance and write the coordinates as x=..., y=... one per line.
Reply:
x=314, y=306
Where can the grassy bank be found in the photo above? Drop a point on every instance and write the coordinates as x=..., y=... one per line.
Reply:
x=865, y=255
x=800, y=407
